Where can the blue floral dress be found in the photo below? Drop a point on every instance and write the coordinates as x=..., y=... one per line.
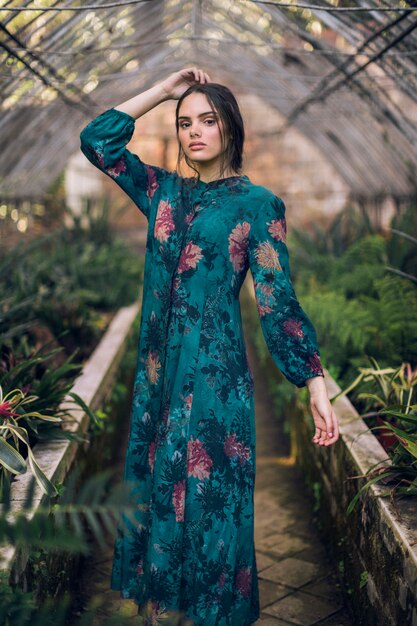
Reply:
x=190, y=558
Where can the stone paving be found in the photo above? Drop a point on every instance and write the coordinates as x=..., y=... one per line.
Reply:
x=298, y=584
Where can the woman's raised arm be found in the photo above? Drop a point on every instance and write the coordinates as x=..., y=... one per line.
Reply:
x=171, y=88
x=104, y=139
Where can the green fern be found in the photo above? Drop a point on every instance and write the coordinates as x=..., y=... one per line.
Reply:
x=62, y=525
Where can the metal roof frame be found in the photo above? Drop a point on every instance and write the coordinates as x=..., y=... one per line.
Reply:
x=58, y=70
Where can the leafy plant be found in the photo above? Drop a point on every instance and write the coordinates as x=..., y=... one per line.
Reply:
x=13, y=410
x=31, y=410
x=70, y=525
x=389, y=394
x=401, y=245
x=65, y=283
x=58, y=289
x=351, y=289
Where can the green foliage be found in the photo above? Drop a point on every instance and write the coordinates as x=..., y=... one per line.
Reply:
x=390, y=394
x=53, y=292
x=41, y=375
x=62, y=282
x=401, y=246
x=31, y=393
x=348, y=226
x=66, y=526
x=20, y=428
x=56, y=293
x=364, y=310
x=358, y=307
x=363, y=581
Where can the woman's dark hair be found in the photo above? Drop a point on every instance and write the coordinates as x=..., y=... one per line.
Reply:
x=224, y=103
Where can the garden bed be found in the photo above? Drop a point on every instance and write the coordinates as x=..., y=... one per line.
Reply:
x=376, y=544
x=57, y=458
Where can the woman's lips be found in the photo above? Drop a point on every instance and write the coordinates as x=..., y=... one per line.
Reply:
x=197, y=146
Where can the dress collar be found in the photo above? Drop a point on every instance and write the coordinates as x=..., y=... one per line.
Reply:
x=230, y=181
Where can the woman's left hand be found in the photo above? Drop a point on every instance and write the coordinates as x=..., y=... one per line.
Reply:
x=325, y=419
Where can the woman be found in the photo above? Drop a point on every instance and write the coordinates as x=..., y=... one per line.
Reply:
x=190, y=559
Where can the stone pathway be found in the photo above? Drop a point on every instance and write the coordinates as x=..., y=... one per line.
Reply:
x=298, y=584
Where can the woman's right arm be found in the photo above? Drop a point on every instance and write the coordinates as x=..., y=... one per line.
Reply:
x=171, y=88
x=104, y=139
x=103, y=142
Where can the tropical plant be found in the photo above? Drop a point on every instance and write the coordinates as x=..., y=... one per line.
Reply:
x=389, y=396
x=31, y=410
x=13, y=410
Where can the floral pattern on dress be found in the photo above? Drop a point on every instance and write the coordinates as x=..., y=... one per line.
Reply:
x=188, y=557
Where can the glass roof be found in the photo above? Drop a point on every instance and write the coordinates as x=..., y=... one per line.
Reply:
x=343, y=73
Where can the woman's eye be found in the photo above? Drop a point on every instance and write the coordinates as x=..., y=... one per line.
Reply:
x=211, y=121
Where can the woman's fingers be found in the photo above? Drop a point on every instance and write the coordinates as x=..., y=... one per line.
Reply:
x=198, y=75
x=332, y=429
x=327, y=428
x=317, y=435
x=335, y=426
x=325, y=420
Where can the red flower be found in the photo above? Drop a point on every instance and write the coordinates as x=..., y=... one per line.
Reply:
x=411, y=374
x=178, y=500
x=6, y=410
x=314, y=364
x=198, y=461
x=238, y=242
x=190, y=256
x=293, y=328
x=164, y=224
x=152, y=182
x=235, y=449
x=243, y=581
x=117, y=168
x=278, y=229
x=264, y=298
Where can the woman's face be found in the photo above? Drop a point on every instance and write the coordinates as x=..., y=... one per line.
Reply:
x=199, y=124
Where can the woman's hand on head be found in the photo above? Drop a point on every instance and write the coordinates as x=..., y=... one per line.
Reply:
x=325, y=419
x=178, y=82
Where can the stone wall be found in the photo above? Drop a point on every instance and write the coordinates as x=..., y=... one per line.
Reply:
x=375, y=545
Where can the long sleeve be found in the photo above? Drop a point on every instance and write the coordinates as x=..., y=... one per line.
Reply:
x=289, y=334
x=103, y=142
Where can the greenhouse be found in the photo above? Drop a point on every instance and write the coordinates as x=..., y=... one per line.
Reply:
x=208, y=272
